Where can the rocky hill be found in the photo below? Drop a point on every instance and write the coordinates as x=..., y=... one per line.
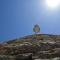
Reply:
x=41, y=45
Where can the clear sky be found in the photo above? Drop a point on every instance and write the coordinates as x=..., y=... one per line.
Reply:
x=17, y=18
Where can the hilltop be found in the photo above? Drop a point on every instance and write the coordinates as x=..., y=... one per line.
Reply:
x=35, y=37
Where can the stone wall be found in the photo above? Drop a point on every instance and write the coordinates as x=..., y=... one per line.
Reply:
x=17, y=57
x=5, y=57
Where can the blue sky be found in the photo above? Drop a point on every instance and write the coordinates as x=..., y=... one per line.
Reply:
x=18, y=17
